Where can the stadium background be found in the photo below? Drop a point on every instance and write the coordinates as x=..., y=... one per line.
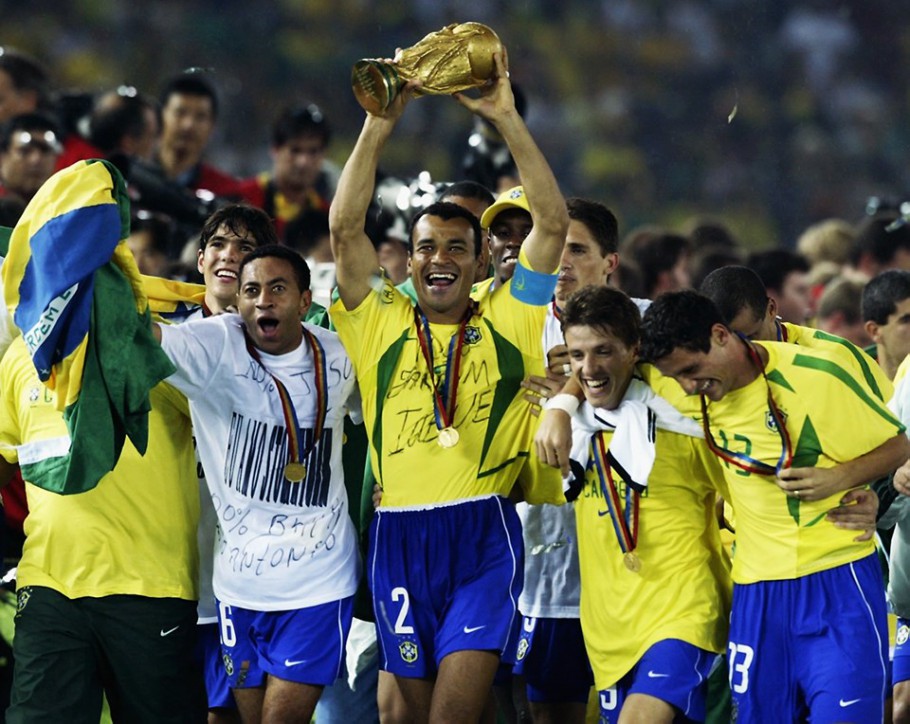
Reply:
x=765, y=113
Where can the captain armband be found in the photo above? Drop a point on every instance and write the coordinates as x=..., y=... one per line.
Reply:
x=529, y=286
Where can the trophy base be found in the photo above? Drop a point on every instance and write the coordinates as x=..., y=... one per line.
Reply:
x=375, y=84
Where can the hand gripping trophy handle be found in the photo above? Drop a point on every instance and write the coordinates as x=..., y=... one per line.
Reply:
x=458, y=57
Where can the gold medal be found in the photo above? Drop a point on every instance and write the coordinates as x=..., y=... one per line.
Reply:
x=295, y=471
x=632, y=561
x=448, y=437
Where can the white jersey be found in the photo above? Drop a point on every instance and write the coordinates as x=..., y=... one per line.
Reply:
x=552, y=587
x=899, y=577
x=279, y=545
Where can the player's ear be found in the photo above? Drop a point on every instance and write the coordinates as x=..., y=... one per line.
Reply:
x=306, y=299
x=872, y=330
x=772, y=308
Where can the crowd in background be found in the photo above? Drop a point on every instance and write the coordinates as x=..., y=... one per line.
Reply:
x=774, y=114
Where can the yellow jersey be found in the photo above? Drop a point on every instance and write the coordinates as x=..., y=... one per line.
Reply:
x=831, y=417
x=683, y=588
x=494, y=424
x=135, y=533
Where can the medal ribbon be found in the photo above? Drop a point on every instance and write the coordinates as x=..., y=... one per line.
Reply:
x=625, y=521
x=782, y=335
x=741, y=460
x=287, y=405
x=444, y=400
x=557, y=312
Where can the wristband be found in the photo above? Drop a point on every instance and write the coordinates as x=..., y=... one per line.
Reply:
x=563, y=401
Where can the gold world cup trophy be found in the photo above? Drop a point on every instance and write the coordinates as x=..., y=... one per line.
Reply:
x=458, y=57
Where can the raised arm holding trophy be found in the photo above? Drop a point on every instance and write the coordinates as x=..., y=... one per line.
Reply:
x=446, y=559
x=456, y=58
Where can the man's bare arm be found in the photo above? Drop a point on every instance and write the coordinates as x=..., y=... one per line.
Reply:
x=819, y=483
x=496, y=104
x=356, y=263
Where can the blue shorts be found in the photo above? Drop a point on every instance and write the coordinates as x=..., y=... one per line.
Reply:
x=671, y=670
x=445, y=579
x=812, y=648
x=208, y=652
x=553, y=660
x=901, y=666
x=305, y=646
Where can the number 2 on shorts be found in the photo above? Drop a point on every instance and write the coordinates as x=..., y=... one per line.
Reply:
x=400, y=593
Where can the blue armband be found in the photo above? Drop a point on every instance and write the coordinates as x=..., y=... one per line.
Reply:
x=532, y=287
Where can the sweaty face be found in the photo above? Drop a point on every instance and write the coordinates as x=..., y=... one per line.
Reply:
x=582, y=262
x=507, y=233
x=298, y=162
x=27, y=163
x=602, y=362
x=272, y=305
x=706, y=373
x=219, y=264
x=443, y=265
x=187, y=122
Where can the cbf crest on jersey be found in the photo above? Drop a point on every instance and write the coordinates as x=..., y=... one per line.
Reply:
x=903, y=633
x=472, y=335
x=771, y=423
x=408, y=651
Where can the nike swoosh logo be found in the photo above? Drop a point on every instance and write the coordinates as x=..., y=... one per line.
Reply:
x=472, y=629
x=652, y=675
x=288, y=662
x=848, y=703
x=169, y=631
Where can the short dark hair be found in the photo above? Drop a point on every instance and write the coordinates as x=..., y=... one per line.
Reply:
x=734, y=288
x=678, y=320
x=28, y=122
x=118, y=115
x=659, y=254
x=775, y=265
x=605, y=308
x=710, y=257
x=26, y=73
x=599, y=220
x=446, y=211
x=240, y=219
x=190, y=84
x=297, y=262
x=883, y=293
x=296, y=121
x=467, y=190
x=880, y=238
